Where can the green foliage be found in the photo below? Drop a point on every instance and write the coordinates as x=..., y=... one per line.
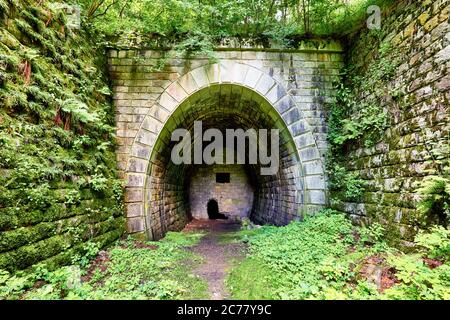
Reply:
x=352, y=115
x=356, y=120
x=322, y=258
x=79, y=111
x=91, y=250
x=418, y=281
x=351, y=118
x=11, y=285
x=372, y=234
x=254, y=272
x=293, y=255
x=98, y=183
x=342, y=180
x=196, y=25
x=435, y=189
x=132, y=270
x=435, y=244
x=57, y=156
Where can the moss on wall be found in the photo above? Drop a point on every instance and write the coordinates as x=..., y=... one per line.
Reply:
x=58, y=183
x=401, y=70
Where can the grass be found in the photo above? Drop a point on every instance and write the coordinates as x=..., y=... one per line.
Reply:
x=237, y=236
x=326, y=257
x=251, y=280
x=129, y=270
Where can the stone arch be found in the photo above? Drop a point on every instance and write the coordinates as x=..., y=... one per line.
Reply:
x=306, y=173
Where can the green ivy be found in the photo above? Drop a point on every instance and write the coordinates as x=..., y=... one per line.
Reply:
x=346, y=182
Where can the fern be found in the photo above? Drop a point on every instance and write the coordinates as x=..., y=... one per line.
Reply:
x=3, y=6
x=435, y=189
x=435, y=192
x=79, y=111
x=436, y=244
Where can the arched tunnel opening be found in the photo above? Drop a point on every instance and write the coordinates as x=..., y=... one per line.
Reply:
x=177, y=193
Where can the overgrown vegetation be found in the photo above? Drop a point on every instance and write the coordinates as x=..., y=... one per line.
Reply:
x=61, y=199
x=435, y=189
x=58, y=182
x=197, y=25
x=356, y=120
x=128, y=270
x=325, y=257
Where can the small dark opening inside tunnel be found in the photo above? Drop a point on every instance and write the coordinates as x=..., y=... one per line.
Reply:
x=222, y=177
x=213, y=210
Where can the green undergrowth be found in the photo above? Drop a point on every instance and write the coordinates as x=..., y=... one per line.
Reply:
x=357, y=121
x=190, y=25
x=128, y=270
x=326, y=257
x=323, y=257
x=237, y=236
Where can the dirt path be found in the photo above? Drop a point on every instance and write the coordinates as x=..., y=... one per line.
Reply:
x=216, y=254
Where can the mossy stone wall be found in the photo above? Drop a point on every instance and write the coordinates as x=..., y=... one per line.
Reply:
x=58, y=182
x=416, y=98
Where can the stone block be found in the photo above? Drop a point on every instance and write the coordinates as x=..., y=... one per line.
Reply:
x=316, y=197
x=137, y=165
x=316, y=182
x=292, y=116
x=313, y=167
x=265, y=83
x=284, y=105
x=188, y=83
x=238, y=73
x=252, y=77
x=213, y=73
x=146, y=138
x=200, y=77
x=135, y=180
x=159, y=113
x=304, y=140
x=152, y=124
x=444, y=84
x=168, y=102
x=134, y=209
x=135, y=225
x=299, y=128
x=140, y=151
x=309, y=153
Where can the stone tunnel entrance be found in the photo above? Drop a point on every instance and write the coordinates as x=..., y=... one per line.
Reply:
x=177, y=193
x=244, y=90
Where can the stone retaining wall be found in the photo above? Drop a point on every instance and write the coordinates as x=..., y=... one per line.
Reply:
x=417, y=101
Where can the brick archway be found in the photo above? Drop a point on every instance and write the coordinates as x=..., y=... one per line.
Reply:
x=306, y=173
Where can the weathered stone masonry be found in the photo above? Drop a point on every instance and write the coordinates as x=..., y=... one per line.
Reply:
x=394, y=167
x=245, y=88
x=234, y=198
